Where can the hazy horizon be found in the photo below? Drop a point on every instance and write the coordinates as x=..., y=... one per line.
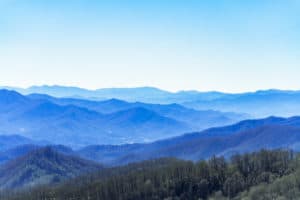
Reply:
x=145, y=86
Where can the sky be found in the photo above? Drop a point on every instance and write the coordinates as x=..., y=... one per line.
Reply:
x=224, y=45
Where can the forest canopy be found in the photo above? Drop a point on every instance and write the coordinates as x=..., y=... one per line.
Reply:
x=260, y=175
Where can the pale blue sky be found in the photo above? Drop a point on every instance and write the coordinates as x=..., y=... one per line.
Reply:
x=226, y=45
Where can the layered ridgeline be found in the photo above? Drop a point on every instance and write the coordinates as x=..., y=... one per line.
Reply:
x=73, y=122
x=141, y=94
x=32, y=165
x=245, y=136
x=258, y=104
x=81, y=122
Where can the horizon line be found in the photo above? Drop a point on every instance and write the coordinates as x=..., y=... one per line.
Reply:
x=146, y=86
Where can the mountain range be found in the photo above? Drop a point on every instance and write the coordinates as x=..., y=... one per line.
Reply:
x=78, y=122
x=242, y=137
x=51, y=134
x=26, y=165
x=141, y=94
x=258, y=104
x=245, y=136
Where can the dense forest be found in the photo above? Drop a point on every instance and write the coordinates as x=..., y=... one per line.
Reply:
x=261, y=175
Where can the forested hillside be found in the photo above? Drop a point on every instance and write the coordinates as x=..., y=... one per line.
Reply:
x=43, y=166
x=243, y=176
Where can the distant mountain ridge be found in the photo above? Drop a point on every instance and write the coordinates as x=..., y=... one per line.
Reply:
x=78, y=122
x=141, y=94
x=199, y=119
x=245, y=136
x=260, y=104
x=242, y=137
